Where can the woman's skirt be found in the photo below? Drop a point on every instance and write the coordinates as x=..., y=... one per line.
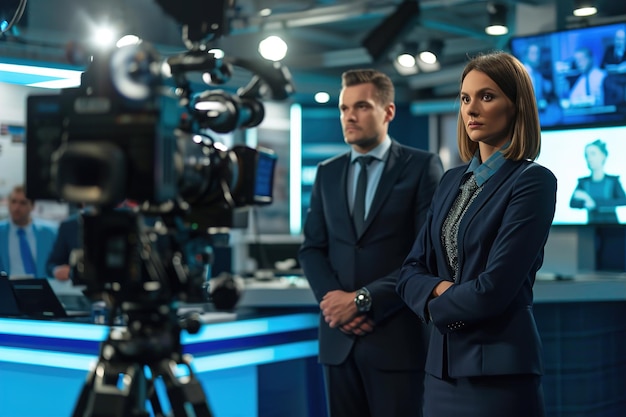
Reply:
x=484, y=396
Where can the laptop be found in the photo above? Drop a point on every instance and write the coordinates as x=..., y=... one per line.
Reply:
x=36, y=298
x=8, y=303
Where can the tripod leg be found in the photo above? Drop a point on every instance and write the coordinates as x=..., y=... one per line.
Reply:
x=184, y=392
x=104, y=396
x=80, y=410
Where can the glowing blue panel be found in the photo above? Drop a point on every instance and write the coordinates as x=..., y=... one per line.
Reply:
x=49, y=359
x=74, y=331
x=256, y=356
x=253, y=327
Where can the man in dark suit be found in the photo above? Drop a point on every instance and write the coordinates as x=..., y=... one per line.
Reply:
x=58, y=265
x=371, y=346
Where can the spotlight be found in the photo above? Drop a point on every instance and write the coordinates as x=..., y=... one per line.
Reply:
x=584, y=8
x=497, y=20
x=406, y=60
x=431, y=52
x=273, y=48
x=322, y=97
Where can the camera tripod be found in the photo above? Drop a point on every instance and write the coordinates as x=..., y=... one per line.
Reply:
x=131, y=361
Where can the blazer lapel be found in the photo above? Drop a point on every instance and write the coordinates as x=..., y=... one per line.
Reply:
x=489, y=191
x=338, y=194
x=392, y=170
x=448, y=200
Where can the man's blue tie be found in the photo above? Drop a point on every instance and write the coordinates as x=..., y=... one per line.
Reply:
x=358, y=212
x=27, y=255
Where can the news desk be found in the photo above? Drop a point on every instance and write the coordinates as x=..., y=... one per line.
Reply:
x=246, y=366
x=266, y=365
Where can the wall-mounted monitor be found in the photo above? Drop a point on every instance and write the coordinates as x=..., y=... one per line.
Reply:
x=590, y=167
x=579, y=74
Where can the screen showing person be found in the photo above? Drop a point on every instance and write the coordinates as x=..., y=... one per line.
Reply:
x=586, y=87
x=588, y=164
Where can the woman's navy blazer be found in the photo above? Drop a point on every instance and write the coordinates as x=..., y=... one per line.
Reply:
x=484, y=325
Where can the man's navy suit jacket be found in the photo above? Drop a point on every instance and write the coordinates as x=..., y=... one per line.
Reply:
x=333, y=257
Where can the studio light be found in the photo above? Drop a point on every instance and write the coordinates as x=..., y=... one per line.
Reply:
x=497, y=20
x=273, y=48
x=584, y=8
x=406, y=59
x=431, y=52
x=322, y=97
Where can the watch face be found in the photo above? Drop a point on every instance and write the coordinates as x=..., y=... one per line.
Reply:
x=362, y=301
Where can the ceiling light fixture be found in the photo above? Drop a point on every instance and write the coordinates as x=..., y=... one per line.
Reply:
x=406, y=60
x=584, y=8
x=431, y=52
x=497, y=20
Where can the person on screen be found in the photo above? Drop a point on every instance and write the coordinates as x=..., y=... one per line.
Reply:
x=472, y=269
x=614, y=59
x=541, y=84
x=25, y=243
x=614, y=62
x=599, y=193
x=588, y=89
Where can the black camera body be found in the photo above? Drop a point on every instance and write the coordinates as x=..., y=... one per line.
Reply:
x=134, y=130
x=126, y=134
x=83, y=156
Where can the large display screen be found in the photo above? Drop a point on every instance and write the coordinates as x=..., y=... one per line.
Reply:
x=579, y=74
x=590, y=167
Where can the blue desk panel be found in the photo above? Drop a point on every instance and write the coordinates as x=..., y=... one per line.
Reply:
x=44, y=364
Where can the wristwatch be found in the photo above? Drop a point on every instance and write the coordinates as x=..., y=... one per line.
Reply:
x=363, y=300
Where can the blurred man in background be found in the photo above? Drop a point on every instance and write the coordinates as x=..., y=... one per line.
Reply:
x=25, y=243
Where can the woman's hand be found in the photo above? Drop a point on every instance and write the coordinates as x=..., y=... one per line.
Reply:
x=442, y=287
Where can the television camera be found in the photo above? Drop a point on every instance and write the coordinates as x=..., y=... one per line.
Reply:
x=135, y=131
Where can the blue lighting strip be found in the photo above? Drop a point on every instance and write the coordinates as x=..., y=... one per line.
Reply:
x=53, y=329
x=44, y=358
x=256, y=356
x=210, y=332
x=252, y=327
x=210, y=363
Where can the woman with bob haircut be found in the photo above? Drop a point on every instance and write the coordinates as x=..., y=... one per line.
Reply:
x=472, y=268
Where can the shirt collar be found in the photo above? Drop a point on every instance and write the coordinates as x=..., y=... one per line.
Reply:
x=15, y=227
x=482, y=172
x=378, y=152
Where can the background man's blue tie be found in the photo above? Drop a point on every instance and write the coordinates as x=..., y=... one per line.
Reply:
x=358, y=212
x=27, y=255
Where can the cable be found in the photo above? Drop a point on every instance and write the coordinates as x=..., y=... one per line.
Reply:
x=17, y=16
